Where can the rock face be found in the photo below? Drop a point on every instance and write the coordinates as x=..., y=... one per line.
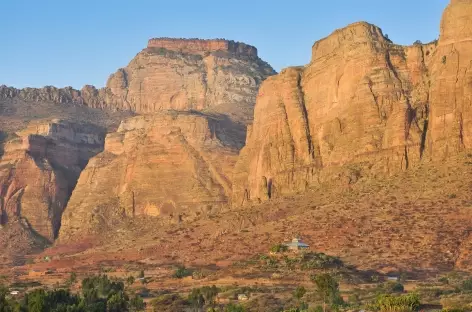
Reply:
x=216, y=75
x=451, y=83
x=38, y=171
x=171, y=165
x=362, y=101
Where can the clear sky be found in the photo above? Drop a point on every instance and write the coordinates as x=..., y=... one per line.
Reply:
x=72, y=43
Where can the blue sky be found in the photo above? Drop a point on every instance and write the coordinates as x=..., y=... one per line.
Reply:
x=72, y=43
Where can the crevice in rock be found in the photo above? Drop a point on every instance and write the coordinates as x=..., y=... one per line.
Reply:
x=301, y=96
x=407, y=163
x=424, y=133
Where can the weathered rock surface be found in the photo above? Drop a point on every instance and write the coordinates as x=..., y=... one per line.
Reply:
x=172, y=165
x=451, y=82
x=217, y=75
x=38, y=171
x=362, y=101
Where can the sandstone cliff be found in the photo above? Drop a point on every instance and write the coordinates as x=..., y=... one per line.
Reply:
x=175, y=166
x=362, y=101
x=39, y=167
x=213, y=75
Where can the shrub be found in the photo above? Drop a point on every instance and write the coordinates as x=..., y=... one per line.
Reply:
x=299, y=292
x=279, y=248
x=405, y=303
x=181, y=272
x=467, y=285
x=130, y=280
x=136, y=304
x=328, y=288
x=394, y=287
x=444, y=59
x=314, y=260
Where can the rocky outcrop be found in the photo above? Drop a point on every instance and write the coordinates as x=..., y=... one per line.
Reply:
x=361, y=102
x=451, y=82
x=173, y=165
x=39, y=167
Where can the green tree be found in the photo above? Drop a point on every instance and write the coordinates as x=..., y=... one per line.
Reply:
x=117, y=302
x=209, y=294
x=328, y=288
x=136, y=304
x=36, y=301
x=182, y=272
x=130, y=280
x=72, y=278
x=196, y=299
x=299, y=292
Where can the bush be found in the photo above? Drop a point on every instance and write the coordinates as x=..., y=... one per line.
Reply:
x=313, y=260
x=394, y=287
x=136, y=304
x=279, y=248
x=299, y=292
x=444, y=59
x=181, y=272
x=405, y=303
x=467, y=285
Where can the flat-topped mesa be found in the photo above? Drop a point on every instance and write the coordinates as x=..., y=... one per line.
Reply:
x=200, y=46
x=360, y=35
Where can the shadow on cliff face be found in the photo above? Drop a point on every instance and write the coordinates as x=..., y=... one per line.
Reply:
x=230, y=133
x=66, y=175
x=3, y=139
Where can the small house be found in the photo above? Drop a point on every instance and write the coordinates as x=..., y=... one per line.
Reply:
x=296, y=244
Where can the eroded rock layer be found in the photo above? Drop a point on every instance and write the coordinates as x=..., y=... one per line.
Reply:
x=172, y=165
x=216, y=75
x=363, y=101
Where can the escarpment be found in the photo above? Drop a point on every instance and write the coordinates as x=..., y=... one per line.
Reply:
x=363, y=105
